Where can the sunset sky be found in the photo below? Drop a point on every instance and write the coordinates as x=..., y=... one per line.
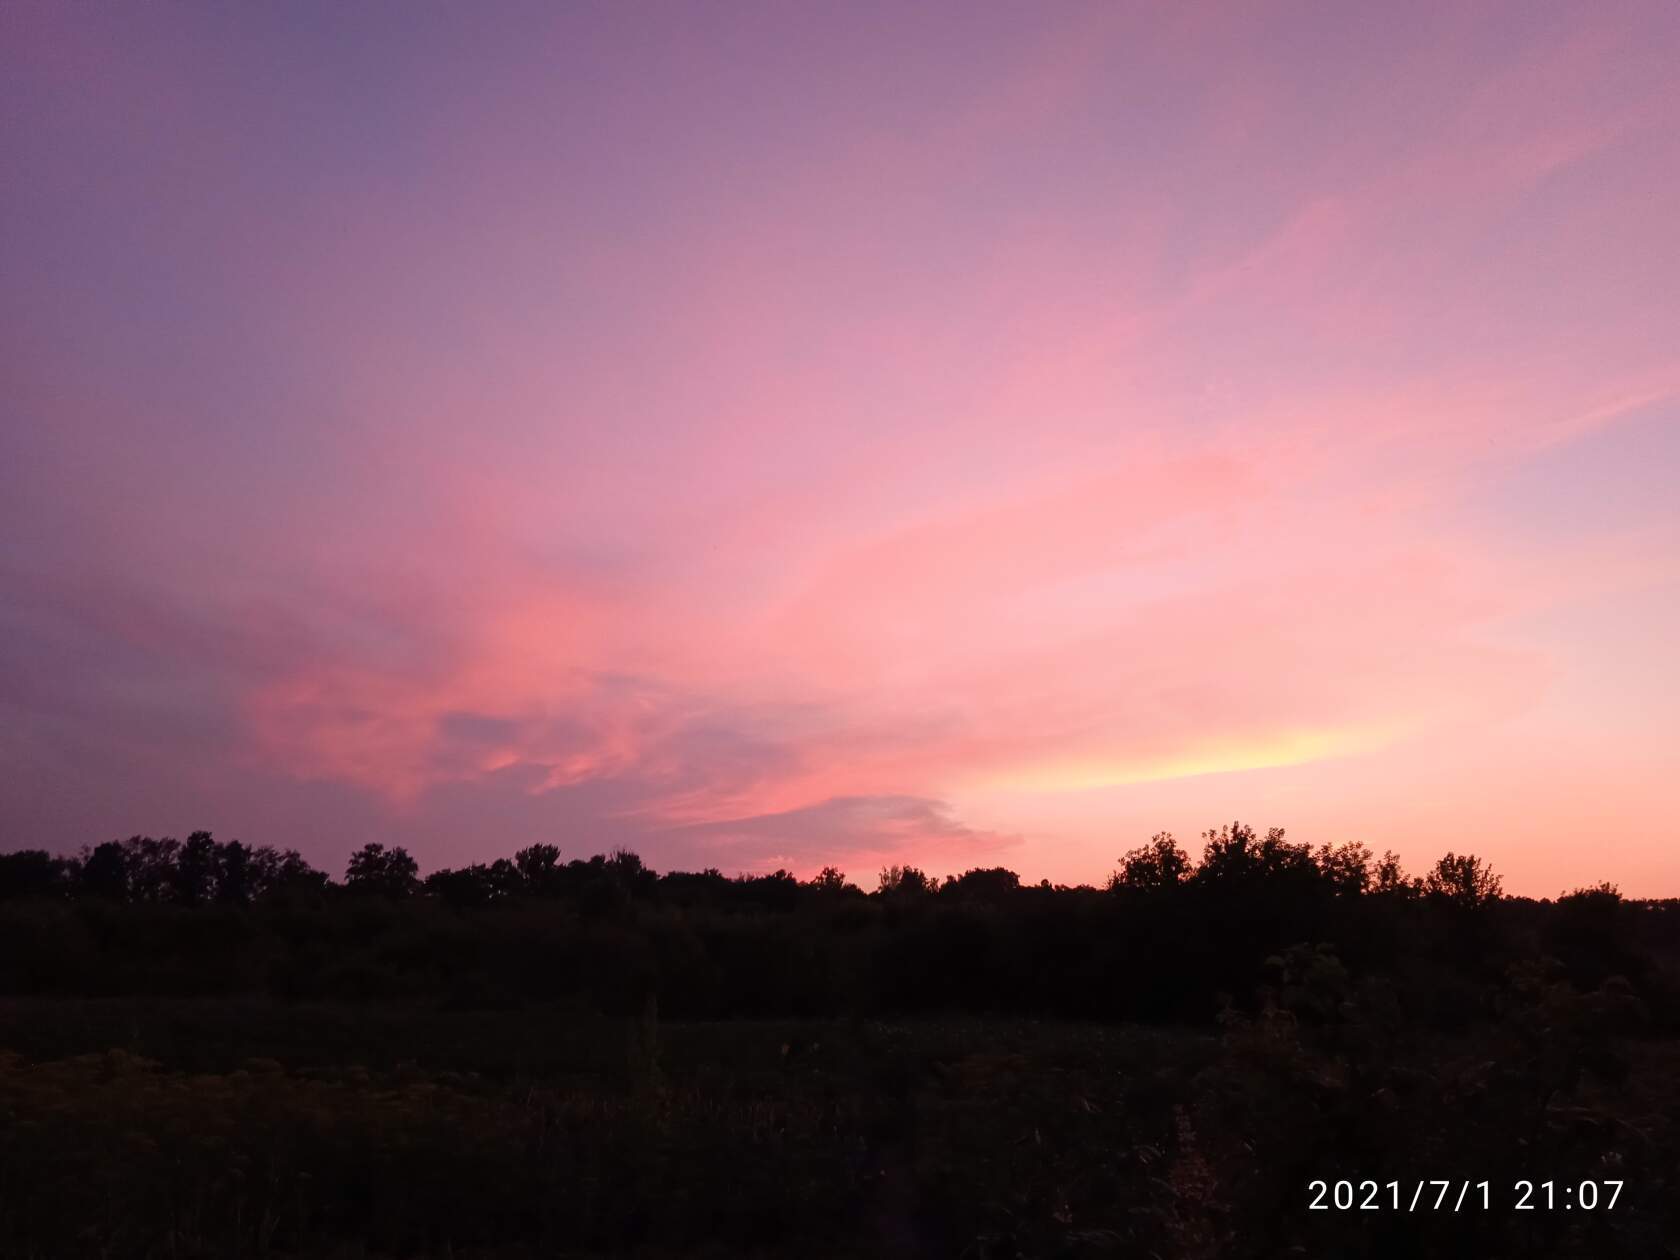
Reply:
x=788, y=434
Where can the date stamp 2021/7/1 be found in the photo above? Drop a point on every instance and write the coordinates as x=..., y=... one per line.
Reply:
x=1463, y=1196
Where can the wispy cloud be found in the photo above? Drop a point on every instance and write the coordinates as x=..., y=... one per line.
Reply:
x=452, y=438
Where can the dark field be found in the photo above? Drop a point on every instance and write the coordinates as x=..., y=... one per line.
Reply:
x=539, y=1059
x=209, y=1128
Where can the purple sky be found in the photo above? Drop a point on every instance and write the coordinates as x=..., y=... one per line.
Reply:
x=773, y=435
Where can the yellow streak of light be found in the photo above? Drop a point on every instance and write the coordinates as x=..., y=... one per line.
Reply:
x=1281, y=748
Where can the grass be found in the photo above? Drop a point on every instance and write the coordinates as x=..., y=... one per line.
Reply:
x=210, y=1128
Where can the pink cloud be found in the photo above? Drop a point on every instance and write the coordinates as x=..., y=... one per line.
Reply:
x=1100, y=412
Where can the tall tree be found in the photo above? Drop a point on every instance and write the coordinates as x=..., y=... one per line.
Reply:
x=388, y=872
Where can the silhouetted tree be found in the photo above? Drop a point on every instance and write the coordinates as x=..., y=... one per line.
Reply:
x=274, y=872
x=694, y=888
x=1234, y=856
x=905, y=881
x=778, y=891
x=1389, y=879
x=375, y=869
x=195, y=869
x=103, y=871
x=504, y=877
x=538, y=866
x=1591, y=934
x=1346, y=868
x=1158, y=864
x=627, y=871
x=151, y=867
x=768, y=944
x=991, y=884
x=1603, y=896
x=470, y=886
x=31, y=873
x=829, y=880
x=233, y=873
x=1464, y=881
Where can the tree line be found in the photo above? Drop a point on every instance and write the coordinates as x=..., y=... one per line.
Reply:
x=205, y=871
x=1168, y=937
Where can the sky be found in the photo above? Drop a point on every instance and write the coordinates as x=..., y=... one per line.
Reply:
x=786, y=435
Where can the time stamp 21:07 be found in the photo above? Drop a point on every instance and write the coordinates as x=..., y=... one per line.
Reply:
x=1463, y=1196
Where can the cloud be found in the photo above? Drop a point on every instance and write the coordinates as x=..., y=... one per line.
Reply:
x=1101, y=403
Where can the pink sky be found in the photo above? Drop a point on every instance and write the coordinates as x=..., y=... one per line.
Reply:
x=780, y=435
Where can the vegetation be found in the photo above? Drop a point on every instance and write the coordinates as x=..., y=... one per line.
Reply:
x=208, y=1049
